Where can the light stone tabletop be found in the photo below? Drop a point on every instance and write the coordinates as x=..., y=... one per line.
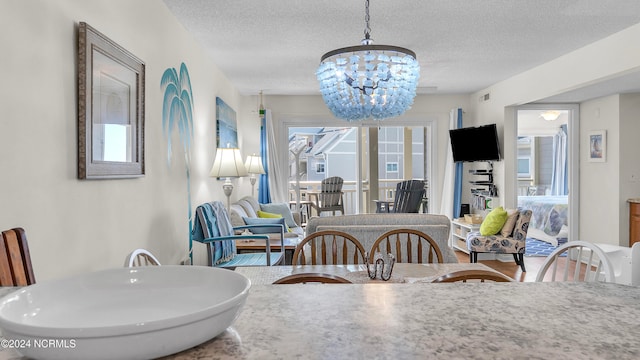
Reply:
x=424, y=321
x=430, y=321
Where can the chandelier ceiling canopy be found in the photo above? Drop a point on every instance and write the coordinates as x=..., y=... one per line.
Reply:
x=368, y=81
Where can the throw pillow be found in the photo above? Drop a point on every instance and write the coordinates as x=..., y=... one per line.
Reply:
x=264, y=221
x=236, y=213
x=282, y=209
x=507, y=228
x=493, y=222
x=268, y=215
x=248, y=208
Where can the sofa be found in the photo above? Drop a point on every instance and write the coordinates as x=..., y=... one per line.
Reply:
x=249, y=208
x=368, y=227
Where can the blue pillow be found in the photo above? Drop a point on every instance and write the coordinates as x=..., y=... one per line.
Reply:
x=263, y=221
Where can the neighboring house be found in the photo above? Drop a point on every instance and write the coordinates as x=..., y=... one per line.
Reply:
x=332, y=152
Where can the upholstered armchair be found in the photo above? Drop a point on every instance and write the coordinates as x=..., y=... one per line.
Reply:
x=507, y=242
x=213, y=228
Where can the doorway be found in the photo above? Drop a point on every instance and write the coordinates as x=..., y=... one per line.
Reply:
x=545, y=164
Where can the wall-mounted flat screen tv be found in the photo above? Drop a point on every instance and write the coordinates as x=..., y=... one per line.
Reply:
x=475, y=143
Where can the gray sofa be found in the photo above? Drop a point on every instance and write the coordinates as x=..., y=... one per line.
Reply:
x=368, y=227
x=248, y=207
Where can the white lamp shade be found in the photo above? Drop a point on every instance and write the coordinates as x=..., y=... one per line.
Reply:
x=228, y=163
x=254, y=164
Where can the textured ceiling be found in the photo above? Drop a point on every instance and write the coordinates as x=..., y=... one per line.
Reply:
x=462, y=45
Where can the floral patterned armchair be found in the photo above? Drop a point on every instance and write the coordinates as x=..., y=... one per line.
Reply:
x=499, y=244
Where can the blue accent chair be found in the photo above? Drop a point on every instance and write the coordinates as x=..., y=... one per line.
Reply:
x=212, y=227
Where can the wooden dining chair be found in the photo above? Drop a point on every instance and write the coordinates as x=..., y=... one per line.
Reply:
x=580, y=257
x=408, y=246
x=140, y=257
x=329, y=247
x=473, y=276
x=305, y=278
x=15, y=259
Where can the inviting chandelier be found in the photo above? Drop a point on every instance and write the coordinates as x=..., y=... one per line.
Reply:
x=368, y=81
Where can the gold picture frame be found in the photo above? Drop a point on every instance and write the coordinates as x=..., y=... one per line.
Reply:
x=110, y=108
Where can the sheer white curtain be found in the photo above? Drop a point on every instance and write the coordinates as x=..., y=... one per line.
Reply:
x=277, y=190
x=559, y=175
x=446, y=205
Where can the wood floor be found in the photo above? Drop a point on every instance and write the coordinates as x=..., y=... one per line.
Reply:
x=531, y=263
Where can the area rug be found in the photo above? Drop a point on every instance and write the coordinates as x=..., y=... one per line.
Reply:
x=538, y=248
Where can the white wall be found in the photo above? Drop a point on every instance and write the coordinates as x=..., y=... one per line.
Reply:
x=606, y=186
x=73, y=225
x=599, y=190
x=629, y=166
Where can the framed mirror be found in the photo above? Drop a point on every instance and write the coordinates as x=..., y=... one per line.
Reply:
x=110, y=108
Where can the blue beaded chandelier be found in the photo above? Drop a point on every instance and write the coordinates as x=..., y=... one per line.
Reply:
x=368, y=81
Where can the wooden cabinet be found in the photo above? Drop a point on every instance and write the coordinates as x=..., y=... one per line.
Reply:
x=459, y=231
x=634, y=222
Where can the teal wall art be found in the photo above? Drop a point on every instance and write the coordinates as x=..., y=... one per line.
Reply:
x=226, y=125
x=177, y=113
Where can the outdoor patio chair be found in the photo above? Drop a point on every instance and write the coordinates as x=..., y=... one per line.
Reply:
x=330, y=196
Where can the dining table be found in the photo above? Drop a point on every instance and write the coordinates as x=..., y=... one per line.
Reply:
x=358, y=273
x=424, y=320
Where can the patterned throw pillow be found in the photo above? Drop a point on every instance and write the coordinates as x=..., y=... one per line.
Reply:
x=522, y=225
x=493, y=222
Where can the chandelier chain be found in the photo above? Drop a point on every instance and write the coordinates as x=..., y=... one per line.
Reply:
x=367, y=28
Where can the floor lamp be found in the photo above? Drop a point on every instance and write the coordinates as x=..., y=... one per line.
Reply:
x=228, y=164
x=254, y=167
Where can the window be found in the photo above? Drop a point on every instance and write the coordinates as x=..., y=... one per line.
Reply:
x=326, y=151
x=524, y=167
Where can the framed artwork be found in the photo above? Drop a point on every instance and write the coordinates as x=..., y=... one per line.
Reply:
x=110, y=108
x=226, y=125
x=598, y=146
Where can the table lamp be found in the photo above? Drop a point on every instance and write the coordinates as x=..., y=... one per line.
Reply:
x=228, y=164
x=253, y=164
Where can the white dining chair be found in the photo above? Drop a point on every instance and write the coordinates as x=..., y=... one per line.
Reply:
x=625, y=261
x=140, y=257
x=588, y=268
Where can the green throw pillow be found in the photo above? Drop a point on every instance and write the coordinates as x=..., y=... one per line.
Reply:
x=268, y=215
x=282, y=209
x=493, y=222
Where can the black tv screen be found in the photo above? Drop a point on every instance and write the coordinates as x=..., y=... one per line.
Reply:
x=475, y=143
